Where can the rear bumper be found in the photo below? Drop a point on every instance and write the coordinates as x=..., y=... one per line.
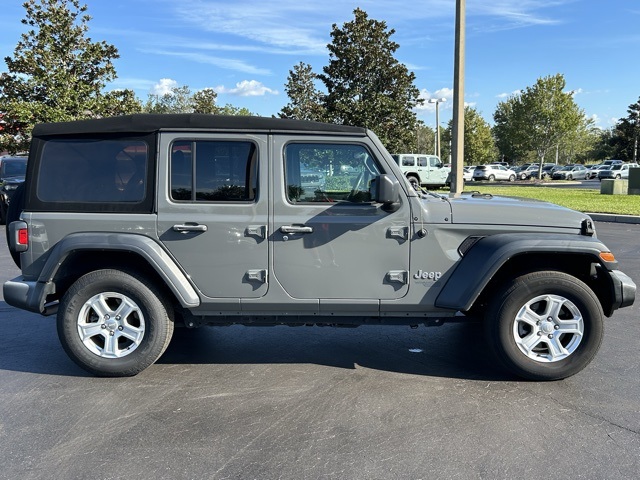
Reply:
x=29, y=295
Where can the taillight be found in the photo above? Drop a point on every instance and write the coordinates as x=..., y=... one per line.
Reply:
x=23, y=236
x=19, y=235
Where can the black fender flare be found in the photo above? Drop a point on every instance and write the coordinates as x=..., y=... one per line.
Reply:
x=485, y=258
x=146, y=247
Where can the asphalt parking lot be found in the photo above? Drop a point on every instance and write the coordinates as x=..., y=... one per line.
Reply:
x=311, y=402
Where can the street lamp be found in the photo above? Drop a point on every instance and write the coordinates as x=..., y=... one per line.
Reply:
x=437, y=101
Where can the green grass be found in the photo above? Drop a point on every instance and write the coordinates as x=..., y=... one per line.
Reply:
x=584, y=200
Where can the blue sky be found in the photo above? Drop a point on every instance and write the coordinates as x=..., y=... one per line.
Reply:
x=244, y=49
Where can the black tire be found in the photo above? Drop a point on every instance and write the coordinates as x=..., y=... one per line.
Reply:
x=523, y=176
x=618, y=177
x=105, y=351
x=512, y=178
x=3, y=214
x=16, y=205
x=491, y=178
x=414, y=181
x=553, y=354
x=569, y=177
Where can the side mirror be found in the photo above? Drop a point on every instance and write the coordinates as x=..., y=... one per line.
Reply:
x=387, y=192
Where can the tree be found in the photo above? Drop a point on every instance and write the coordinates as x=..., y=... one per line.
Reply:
x=626, y=133
x=177, y=100
x=541, y=116
x=505, y=133
x=479, y=145
x=305, y=100
x=366, y=86
x=181, y=100
x=57, y=73
x=204, y=101
x=604, y=149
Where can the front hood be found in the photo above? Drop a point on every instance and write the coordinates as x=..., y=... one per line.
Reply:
x=483, y=209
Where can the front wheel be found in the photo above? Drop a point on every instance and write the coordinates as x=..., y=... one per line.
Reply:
x=545, y=325
x=512, y=178
x=618, y=177
x=112, y=324
x=491, y=178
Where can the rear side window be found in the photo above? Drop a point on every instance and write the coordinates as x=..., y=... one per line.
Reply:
x=408, y=161
x=214, y=171
x=88, y=171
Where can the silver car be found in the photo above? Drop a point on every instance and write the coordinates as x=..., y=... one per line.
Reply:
x=617, y=171
x=493, y=172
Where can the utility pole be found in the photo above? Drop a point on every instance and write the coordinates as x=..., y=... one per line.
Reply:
x=457, y=182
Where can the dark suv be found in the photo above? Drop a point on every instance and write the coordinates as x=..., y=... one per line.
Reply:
x=130, y=226
x=12, y=172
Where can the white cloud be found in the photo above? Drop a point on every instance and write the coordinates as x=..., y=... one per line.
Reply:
x=247, y=88
x=163, y=87
x=292, y=25
x=446, y=93
x=226, y=63
x=507, y=95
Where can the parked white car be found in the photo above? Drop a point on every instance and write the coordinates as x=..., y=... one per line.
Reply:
x=493, y=172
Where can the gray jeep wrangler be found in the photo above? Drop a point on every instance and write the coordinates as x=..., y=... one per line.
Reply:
x=132, y=225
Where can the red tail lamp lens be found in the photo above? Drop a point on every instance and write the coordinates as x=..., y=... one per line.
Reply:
x=23, y=236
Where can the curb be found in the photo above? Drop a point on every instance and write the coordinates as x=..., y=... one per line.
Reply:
x=613, y=218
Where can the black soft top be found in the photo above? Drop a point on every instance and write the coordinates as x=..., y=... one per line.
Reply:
x=146, y=123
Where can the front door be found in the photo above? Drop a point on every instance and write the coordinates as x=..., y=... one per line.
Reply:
x=213, y=216
x=331, y=241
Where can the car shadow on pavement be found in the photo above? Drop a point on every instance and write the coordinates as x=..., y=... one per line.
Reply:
x=452, y=351
x=29, y=343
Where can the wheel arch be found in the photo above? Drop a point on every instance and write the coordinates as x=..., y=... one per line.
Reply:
x=81, y=253
x=505, y=256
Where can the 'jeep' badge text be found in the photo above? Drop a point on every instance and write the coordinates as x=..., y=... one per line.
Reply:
x=427, y=275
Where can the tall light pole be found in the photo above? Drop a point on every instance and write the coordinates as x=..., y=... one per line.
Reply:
x=457, y=184
x=437, y=101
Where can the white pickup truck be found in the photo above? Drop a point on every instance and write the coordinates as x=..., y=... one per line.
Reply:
x=421, y=169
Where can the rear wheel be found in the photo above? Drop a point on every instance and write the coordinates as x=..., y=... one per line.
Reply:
x=112, y=324
x=512, y=178
x=618, y=177
x=491, y=178
x=545, y=325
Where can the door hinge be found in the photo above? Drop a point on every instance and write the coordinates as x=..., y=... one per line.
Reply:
x=259, y=231
x=398, y=232
x=257, y=276
x=398, y=276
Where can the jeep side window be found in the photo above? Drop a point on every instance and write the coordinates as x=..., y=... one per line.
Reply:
x=408, y=161
x=423, y=162
x=214, y=171
x=93, y=171
x=321, y=172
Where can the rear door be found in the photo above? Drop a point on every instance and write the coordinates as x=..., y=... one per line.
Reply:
x=212, y=214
